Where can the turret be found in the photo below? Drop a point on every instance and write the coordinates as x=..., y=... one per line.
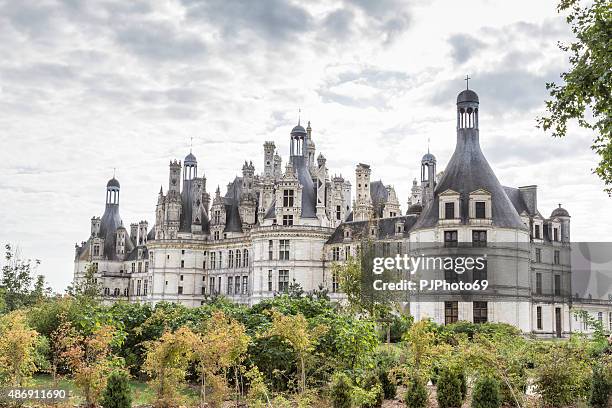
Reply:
x=363, y=200
x=174, y=184
x=428, y=176
x=112, y=192
x=269, y=159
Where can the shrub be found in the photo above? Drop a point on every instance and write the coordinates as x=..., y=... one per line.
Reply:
x=416, y=393
x=463, y=381
x=449, y=389
x=340, y=391
x=486, y=393
x=388, y=384
x=600, y=389
x=368, y=397
x=117, y=393
x=375, y=389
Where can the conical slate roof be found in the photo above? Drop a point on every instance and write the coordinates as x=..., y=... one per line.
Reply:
x=468, y=171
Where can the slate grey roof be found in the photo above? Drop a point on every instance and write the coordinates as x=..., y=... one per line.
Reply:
x=190, y=159
x=113, y=183
x=428, y=157
x=514, y=194
x=299, y=129
x=271, y=213
x=309, y=197
x=468, y=171
x=385, y=229
x=559, y=212
x=233, y=223
x=187, y=206
x=379, y=195
x=109, y=223
x=415, y=209
x=467, y=95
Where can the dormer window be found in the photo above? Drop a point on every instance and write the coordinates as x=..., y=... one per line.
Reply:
x=481, y=209
x=536, y=231
x=449, y=211
x=556, y=234
x=288, y=196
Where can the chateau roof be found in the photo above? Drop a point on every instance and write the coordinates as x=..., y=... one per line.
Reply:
x=385, y=229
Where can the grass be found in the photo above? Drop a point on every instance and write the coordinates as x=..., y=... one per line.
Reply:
x=142, y=394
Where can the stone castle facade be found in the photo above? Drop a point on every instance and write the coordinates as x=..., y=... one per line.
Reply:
x=292, y=223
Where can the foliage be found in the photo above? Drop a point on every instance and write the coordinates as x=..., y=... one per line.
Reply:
x=367, y=397
x=295, y=331
x=17, y=350
x=355, y=342
x=86, y=289
x=222, y=344
x=88, y=357
x=586, y=94
x=419, y=343
x=340, y=390
x=449, y=388
x=166, y=363
x=562, y=372
x=486, y=393
x=16, y=281
x=600, y=388
x=117, y=393
x=416, y=393
x=258, y=393
x=388, y=384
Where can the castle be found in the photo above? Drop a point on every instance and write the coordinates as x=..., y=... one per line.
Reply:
x=291, y=224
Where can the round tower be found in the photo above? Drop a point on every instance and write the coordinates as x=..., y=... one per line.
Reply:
x=190, y=170
x=112, y=192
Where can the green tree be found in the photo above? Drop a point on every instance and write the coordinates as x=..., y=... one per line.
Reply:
x=586, y=94
x=600, y=389
x=486, y=393
x=117, y=393
x=340, y=390
x=416, y=393
x=86, y=289
x=449, y=389
x=17, y=278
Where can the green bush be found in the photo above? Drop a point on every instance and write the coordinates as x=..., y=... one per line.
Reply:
x=388, y=384
x=374, y=387
x=117, y=393
x=449, y=389
x=486, y=393
x=600, y=389
x=416, y=393
x=340, y=391
x=463, y=382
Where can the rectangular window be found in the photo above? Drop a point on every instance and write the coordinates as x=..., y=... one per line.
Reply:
x=245, y=258
x=238, y=258
x=347, y=253
x=538, y=283
x=556, y=234
x=480, y=209
x=335, y=283
x=245, y=285
x=283, y=249
x=450, y=239
x=138, y=285
x=230, y=259
x=182, y=277
x=338, y=212
x=237, y=283
x=479, y=239
x=288, y=198
x=557, y=285
x=146, y=267
x=139, y=267
x=96, y=250
x=449, y=211
x=270, y=250
x=600, y=318
x=145, y=287
x=180, y=290
x=451, y=312
x=283, y=280
x=557, y=258
x=133, y=267
x=213, y=260
x=537, y=231
x=203, y=290
x=386, y=247
x=288, y=220
x=270, y=280
x=335, y=254
x=481, y=312
x=211, y=285
x=538, y=255
x=451, y=276
x=230, y=285
x=539, y=317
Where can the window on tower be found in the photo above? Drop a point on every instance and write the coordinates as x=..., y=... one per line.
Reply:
x=288, y=196
x=449, y=211
x=288, y=220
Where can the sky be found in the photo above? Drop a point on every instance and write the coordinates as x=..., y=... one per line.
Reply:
x=88, y=87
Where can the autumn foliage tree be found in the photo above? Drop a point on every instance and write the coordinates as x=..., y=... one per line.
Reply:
x=166, y=363
x=89, y=358
x=17, y=350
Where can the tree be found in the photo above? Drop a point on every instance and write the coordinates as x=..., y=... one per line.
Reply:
x=586, y=94
x=88, y=357
x=600, y=389
x=449, y=389
x=86, y=289
x=222, y=344
x=166, y=362
x=17, y=350
x=17, y=278
x=295, y=331
x=486, y=393
x=117, y=393
x=416, y=393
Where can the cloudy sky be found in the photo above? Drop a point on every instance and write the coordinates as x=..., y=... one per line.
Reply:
x=86, y=87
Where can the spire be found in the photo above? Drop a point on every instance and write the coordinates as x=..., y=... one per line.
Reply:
x=299, y=115
x=467, y=81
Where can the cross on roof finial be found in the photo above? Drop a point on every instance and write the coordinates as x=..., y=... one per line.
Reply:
x=299, y=115
x=428, y=140
x=467, y=81
x=191, y=145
